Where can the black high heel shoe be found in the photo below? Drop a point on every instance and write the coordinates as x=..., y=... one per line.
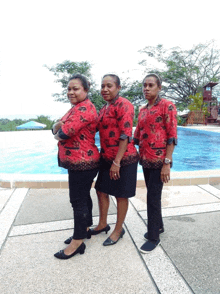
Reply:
x=62, y=255
x=109, y=241
x=68, y=241
x=96, y=232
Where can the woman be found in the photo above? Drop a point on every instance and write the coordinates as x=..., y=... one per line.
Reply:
x=119, y=158
x=156, y=135
x=78, y=153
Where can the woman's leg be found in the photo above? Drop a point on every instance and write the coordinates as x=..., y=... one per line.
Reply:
x=79, y=186
x=103, y=200
x=122, y=207
x=154, y=191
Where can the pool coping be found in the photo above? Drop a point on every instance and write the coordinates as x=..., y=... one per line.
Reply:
x=45, y=181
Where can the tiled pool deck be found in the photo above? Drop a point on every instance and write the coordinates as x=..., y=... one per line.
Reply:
x=34, y=221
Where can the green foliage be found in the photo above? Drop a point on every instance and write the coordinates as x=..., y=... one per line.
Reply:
x=197, y=103
x=63, y=71
x=132, y=91
x=181, y=120
x=45, y=120
x=7, y=125
x=184, y=72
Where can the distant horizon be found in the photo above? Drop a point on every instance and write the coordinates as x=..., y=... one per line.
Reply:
x=28, y=116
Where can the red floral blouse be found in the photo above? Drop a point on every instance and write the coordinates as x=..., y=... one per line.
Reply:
x=114, y=124
x=156, y=128
x=78, y=150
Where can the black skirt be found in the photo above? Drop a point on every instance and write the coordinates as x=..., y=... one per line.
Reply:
x=124, y=187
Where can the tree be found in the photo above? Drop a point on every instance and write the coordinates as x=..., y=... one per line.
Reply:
x=198, y=104
x=63, y=71
x=45, y=120
x=184, y=72
x=133, y=92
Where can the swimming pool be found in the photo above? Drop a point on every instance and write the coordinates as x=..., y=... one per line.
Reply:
x=35, y=152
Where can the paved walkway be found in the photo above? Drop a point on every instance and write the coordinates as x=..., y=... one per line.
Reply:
x=35, y=222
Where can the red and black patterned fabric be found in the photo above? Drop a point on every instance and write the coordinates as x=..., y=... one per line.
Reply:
x=78, y=151
x=156, y=128
x=115, y=123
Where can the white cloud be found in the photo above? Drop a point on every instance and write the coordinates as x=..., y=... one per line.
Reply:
x=106, y=33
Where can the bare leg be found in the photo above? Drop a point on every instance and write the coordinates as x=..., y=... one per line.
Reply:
x=122, y=207
x=103, y=200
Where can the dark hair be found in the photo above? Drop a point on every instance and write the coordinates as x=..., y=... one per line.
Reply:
x=156, y=76
x=115, y=77
x=85, y=83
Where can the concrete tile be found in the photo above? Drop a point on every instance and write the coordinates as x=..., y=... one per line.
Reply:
x=192, y=243
x=48, y=205
x=9, y=213
x=28, y=266
x=214, y=180
x=27, y=184
x=64, y=185
x=199, y=181
x=4, y=196
x=53, y=226
x=181, y=182
x=185, y=210
x=159, y=265
x=175, y=196
x=4, y=184
x=211, y=189
x=185, y=195
x=50, y=185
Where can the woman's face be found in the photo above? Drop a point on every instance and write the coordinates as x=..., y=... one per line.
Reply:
x=109, y=89
x=76, y=92
x=151, y=89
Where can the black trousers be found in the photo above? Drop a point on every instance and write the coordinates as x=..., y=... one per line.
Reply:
x=80, y=183
x=154, y=190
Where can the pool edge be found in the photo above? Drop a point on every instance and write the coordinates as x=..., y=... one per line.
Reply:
x=42, y=181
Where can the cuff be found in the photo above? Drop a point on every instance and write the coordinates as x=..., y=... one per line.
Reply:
x=62, y=135
x=124, y=137
x=172, y=140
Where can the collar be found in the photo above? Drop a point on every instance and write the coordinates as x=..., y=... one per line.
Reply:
x=156, y=101
x=113, y=100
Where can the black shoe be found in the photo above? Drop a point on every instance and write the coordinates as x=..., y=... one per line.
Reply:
x=146, y=234
x=62, y=255
x=109, y=241
x=149, y=246
x=96, y=232
x=68, y=241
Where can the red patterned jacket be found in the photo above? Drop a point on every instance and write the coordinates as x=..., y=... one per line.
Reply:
x=114, y=124
x=156, y=128
x=78, y=150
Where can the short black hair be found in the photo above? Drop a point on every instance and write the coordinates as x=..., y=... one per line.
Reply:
x=83, y=79
x=115, y=77
x=156, y=76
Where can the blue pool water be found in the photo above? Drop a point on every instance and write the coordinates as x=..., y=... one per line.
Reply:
x=35, y=152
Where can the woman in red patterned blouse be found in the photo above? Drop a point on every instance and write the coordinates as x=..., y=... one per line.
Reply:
x=79, y=154
x=156, y=135
x=119, y=157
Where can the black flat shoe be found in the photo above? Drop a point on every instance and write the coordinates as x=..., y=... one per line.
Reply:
x=146, y=234
x=96, y=232
x=109, y=241
x=62, y=255
x=68, y=241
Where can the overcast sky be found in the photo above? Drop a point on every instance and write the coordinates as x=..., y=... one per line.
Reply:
x=108, y=34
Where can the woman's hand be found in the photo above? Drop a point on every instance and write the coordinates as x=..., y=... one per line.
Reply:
x=57, y=126
x=165, y=173
x=114, y=172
